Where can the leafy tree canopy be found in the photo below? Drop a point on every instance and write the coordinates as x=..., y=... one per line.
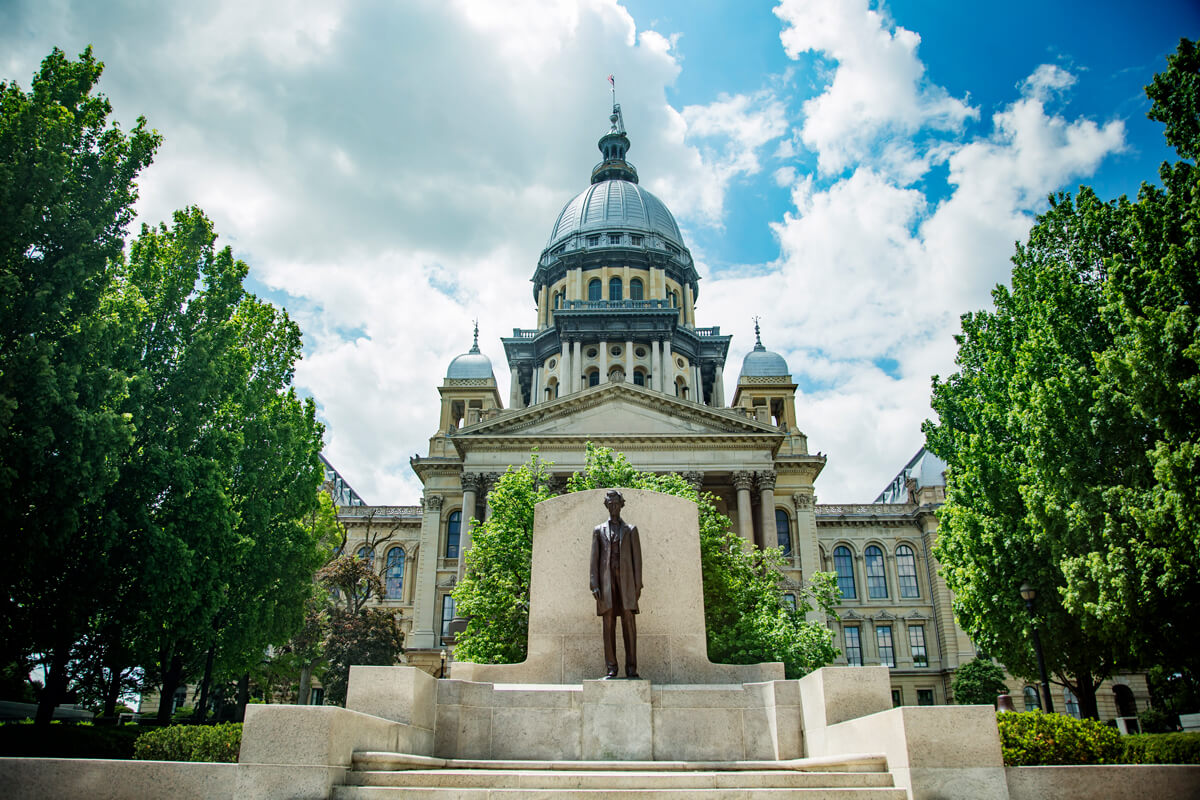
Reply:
x=1072, y=429
x=978, y=682
x=746, y=618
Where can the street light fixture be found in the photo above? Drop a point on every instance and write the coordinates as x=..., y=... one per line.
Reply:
x=1028, y=594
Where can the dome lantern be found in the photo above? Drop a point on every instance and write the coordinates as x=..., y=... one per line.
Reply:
x=761, y=362
x=472, y=364
x=613, y=147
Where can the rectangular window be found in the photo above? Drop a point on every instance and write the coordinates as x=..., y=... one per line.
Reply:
x=789, y=600
x=897, y=698
x=447, y=613
x=883, y=640
x=316, y=697
x=853, y=647
x=614, y=238
x=924, y=697
x=916, y=643
x=593, y=240
x=635, y=239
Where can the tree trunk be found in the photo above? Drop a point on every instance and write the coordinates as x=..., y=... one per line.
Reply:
x=305, y=685
x=1085, y=690
x=243, y=697
x=171, y=678
x=57, y=679
x=112, y=690
x=202, y=703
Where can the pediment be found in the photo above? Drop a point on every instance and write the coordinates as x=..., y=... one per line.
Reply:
x=619, y=409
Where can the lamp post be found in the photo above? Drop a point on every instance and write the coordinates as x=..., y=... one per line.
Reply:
x=1028, y=593
x=442, y=671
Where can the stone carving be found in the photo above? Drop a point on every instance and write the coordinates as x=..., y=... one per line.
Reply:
x=471, y=481
x=616, y=583
x=696, y=479
x=743, y=480
x=433, y=502
x=803, y=501
x=766, y=480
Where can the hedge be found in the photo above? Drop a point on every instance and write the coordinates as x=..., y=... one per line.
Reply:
x=1032, y=737
x=67, y=740
x=190, y=743
x=1162, y=748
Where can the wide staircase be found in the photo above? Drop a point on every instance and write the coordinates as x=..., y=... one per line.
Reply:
x=376, y=776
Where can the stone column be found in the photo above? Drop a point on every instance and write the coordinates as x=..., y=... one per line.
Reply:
x=603, y=361
x=766, y=500
x=742, y=481
x=535, y=393
x=697, y=389
x=689, y=304
x=514, y=388
x=564, y=369
x=806, y=549
x=487, y=482
x=410, y=572
x=576, y=364
x=668, y=370
x=719, y=386
x=470, y=488
x=424, y=635
x=656, y=364
x=629, y=360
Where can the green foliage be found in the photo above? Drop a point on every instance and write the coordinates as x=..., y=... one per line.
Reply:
x=1030, y=738
x=978, y=682
x=494, y=593
x=745, y=616
x=190, y=743
x=1161, y=748
x=1072, y=430
x=1157, y=720
x=25, y=740
x=370, y=636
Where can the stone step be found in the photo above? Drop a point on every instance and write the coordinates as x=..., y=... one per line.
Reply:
x=554, y=780
x=446, y=793
x=858, y=762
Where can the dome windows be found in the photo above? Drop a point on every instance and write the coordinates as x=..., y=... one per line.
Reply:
x=592, y=352
x=635, y=287
x=614, y=238
x=614, y=289
x=594, y=289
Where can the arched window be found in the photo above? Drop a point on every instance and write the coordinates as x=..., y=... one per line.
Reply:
x=453, y=528
x=614, y=289
x=558, y=299
x=876, y=577
x=783, y=531
x=594, y=289
x=1032, y=702
x=1126, y=705
x=394, y=583
x=1071, y=702
x=635, y=288
x=366, y=554
x=639, y=378
x=906, y=571
x=674, y=298
x=594, y=378
x=843, y=565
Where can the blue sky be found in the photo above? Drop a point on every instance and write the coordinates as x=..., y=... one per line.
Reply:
x=853, y=172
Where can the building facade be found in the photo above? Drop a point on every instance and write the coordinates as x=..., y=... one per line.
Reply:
x=617, y=357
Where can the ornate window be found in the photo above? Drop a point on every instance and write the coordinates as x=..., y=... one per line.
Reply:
x=783, y=531
x=1071, y=702
x=1032, y=702
x=843, y=565
x=906, y=571
x=635, y=287
x=366, y=554
x=453, y=528
x=883, y=640
x=853, y=646
x=916, y=644
x=876, y=576
x=594, y=289
x=394, y=584
x=614, y=289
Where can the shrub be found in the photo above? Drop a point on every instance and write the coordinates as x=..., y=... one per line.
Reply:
x=1156, y=720
x=190, y=743
x=978, y=682
x=1162, y=748
x=1032, y=737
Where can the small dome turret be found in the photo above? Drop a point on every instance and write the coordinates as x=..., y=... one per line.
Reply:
x=471, y=364
x=761, y=362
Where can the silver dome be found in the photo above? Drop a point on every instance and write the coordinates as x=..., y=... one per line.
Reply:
x=615, y=205
x=471, y=364
x=761, y=362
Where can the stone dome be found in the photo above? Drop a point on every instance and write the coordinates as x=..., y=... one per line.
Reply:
x=615, y=206
x=762, y=363
x=471, y=364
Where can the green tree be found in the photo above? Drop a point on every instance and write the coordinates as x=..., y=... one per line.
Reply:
x=746, y=618
x=1071, y=429
x=978, y=682
x=66, y=195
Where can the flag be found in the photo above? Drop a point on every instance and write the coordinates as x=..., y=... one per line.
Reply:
x=611, y=82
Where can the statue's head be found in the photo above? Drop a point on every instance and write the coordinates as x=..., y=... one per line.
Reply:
x=613, y=500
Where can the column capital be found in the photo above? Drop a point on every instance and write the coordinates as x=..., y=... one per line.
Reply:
x=433, y=502
x=472, y=481
x=696, y=479
x=803, y=500
x=743, y=480
x=766, y=480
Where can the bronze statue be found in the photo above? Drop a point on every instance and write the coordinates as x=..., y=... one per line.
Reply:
x=616, y=578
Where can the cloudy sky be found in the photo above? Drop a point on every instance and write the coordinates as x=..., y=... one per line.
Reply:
x=852, y=171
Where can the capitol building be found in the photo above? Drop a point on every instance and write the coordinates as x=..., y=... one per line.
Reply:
x=617, y=357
